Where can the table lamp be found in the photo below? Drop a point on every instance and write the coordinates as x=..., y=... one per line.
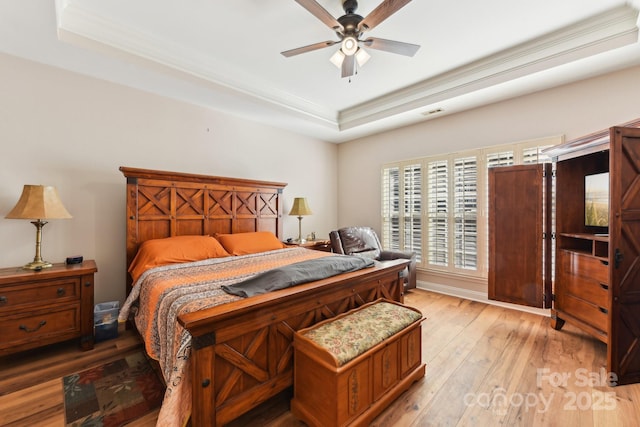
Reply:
x=300, y=208
x=38, y=202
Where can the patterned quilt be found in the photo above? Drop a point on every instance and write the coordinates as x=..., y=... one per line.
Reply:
x=163, y=293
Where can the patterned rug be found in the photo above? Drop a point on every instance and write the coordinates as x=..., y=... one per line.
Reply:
x=112, y=394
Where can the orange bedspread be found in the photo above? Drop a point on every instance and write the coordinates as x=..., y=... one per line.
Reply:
x=164, y=293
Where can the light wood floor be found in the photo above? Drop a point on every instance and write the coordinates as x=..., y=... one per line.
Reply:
x=486, y=366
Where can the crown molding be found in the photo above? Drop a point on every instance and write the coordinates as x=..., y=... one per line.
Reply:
x=80, y=26
x=614, y=28
x=611, y=29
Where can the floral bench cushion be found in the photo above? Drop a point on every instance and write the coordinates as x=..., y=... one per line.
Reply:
x=354, y=333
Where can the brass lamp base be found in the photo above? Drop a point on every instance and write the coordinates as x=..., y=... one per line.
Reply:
x=37, y=265
x=300, y=240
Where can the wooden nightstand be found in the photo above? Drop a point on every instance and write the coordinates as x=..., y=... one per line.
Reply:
x=317, y=245
x=48, y=306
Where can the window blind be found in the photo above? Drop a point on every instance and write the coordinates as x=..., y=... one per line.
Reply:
x=465, y=196
x=438, y=212
x=436, y=206
x=412, y=220
x=391, y=208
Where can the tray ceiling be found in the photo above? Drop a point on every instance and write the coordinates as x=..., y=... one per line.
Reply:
x=226, y=55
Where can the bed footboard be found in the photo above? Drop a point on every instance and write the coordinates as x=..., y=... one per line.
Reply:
x=242, y=352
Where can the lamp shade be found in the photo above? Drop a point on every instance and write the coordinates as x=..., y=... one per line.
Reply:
x=300, y=207
x=362, y=57
x=39, y=202
x=337, y=58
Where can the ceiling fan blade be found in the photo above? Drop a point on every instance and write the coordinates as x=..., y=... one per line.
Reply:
x=322, y=14
x=401, y=48
x=349, y=66
x=380, y=13
x=309, y=48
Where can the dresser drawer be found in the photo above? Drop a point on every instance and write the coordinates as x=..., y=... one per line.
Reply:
x=588, y=313
x=40, y=326
x=581, y=288
x=589, y=290
x=38, y=293
x=584, y=266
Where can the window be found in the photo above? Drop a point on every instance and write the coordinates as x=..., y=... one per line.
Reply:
x=412, y=212
x=449, y=231
x=452, y=213
x=402, y=210
x=465, y=199
x=391, y=208
x=438, y=213
x=534, y=155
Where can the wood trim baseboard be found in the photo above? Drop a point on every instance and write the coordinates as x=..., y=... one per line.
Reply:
x=478, y=296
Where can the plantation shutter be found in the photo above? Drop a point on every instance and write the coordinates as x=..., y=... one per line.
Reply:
x=465, y=233
x=438, y=212
x=534, y=155
x=437, y=207
x=391, y=208
x=413, y=210
x=503, y=158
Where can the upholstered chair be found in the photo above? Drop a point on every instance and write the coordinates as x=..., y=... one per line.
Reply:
x=363, y=241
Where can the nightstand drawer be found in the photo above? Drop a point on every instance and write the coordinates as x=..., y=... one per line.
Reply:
x=41, y=326
x=43, y=307
x=39, y=293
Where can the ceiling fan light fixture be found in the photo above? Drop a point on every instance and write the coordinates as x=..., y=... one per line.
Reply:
x=362, y=56
x=349, y=45
x=349, y=28
x=337, y=58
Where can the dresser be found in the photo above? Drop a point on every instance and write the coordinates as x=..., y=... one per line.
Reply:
x=43, y=307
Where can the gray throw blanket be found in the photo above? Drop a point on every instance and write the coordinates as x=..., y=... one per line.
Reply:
x=297, y=273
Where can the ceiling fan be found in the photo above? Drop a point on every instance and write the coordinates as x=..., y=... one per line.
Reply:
x=349, y=28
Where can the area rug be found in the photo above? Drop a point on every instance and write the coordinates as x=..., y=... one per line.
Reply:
x=112, y=394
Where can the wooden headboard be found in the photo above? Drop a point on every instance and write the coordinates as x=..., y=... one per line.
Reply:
x=164, y=204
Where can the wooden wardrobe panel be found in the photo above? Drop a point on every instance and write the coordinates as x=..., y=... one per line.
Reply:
x=516, y=226
x=623, y=355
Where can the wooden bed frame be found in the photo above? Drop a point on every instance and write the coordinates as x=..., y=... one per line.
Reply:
x=242, y=351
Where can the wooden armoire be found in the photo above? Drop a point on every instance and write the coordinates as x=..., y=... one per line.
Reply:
x=538, y=226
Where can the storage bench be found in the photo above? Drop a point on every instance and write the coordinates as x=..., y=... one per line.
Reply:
x=348, y=369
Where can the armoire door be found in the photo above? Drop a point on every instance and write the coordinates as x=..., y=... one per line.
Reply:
x=623, y=356
x=519, y=253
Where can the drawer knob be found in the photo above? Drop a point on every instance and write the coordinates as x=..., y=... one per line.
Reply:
x=61, y=292
x=40, y=325
x=3, y=300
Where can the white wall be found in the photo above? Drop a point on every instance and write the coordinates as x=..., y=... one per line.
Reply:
x=572, y=110
x=63, y=129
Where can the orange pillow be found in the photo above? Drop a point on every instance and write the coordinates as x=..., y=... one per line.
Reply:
x=249, y=243
x=170, y=250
